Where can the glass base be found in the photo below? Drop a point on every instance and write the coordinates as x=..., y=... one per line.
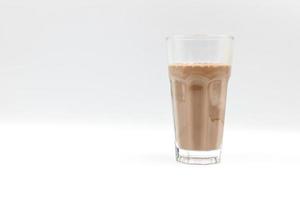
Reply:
x=198, y=157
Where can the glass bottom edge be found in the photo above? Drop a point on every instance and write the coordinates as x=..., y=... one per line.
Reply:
x=198, y=157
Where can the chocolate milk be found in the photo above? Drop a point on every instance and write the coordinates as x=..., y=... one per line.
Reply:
x=199, y=98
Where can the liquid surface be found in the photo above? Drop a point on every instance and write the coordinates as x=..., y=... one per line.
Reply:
x=199, y=98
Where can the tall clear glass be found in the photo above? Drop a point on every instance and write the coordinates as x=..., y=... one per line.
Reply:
x=199, y=70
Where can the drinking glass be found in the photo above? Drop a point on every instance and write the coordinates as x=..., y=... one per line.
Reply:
x=199, y=70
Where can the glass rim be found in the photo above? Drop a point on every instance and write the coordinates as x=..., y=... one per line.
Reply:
x=200, y=37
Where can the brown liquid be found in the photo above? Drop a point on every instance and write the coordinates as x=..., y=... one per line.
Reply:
x=199, y=97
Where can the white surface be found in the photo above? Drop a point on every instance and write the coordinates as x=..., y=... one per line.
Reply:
x=85, y=109
x=88, y=161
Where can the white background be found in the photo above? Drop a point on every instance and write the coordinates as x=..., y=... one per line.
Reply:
x=85, y=107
